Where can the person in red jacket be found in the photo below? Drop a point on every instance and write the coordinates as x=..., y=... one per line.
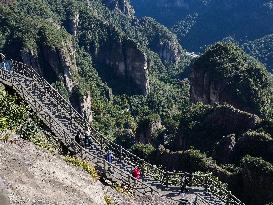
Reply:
x=136, y=173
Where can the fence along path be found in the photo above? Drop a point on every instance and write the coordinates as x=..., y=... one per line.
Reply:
x=66, y=122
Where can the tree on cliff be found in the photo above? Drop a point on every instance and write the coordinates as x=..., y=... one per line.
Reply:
x=226, y=74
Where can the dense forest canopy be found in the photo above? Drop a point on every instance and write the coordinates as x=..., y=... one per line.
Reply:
x=136, y=81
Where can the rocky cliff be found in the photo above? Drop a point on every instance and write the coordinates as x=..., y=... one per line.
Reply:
x=124, y=66
x=226, y=74
x=58, y=64
x=161, y=41
x=122, y=6
x=223, y=120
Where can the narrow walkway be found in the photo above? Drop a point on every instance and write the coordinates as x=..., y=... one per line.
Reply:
x=66, y=123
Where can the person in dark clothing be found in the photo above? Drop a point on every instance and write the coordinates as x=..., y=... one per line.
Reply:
x=109, y=157
x=183, y=184
x=78, y=138
x=186, y=181
x=2, y=57
x=87, y=138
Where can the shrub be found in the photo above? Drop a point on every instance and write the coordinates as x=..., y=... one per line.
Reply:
x=144, y=151
x=108, y=200
x=84, y=165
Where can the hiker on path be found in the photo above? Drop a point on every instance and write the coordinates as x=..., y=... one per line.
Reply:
x=5, y=64
x=183, y=183
x=87, y=138
x=78, y=138
x=109, y=157
x=2, y=57
x=136, y=173
x=186, y=181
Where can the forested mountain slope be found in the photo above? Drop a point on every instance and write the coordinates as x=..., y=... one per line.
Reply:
x=91, y=53
x=199, y=23
x=123, y=74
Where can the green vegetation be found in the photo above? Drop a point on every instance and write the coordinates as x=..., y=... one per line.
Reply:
x=86, y=166
x=245, y=79
x=190, y=135
x=262, y=49
x=108, y=200
x=143, y=150
x=12, y=114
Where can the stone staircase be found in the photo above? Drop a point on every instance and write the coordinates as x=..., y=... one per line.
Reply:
x=65, y=122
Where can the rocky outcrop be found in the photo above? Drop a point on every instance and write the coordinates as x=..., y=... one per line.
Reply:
x=224, y=149
x=86, y=108
x=30, y=58
x=72, y=23
x=231, y=120
x=206, y=89
x=59, y=64
x=169, y=51
x=223, y=120
x=225, y=74
x=123, y=66
x=161, y=41
x=122, y=6
x=147, y=130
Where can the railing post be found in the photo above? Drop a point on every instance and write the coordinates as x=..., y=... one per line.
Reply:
x=120, y=152
x=228, y=198
x=206, y=183
x=104, y=166
x=167, y=179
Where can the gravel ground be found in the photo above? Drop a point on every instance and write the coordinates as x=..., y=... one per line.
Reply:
x=32, y=176
x=29, y=175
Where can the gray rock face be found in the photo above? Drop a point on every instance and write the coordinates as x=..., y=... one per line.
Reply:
x=29, y=58
x=60, y=64
x=169, y=51
x=72, y=23
x=209, y=90
x=120, y=5
x=127, y=66
x=146, y=131
x=204, y=88
x=224, y=149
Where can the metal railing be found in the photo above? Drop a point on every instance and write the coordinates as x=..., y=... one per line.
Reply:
x=73, y=122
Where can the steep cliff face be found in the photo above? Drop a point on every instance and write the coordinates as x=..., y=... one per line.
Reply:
x=161, y=41
x=226, y=74
x=127, y=66
x=147, y=130
x=169, y=51
x=223, y=120
x=59, y=64
x=122, y=6
x=72, y=22
x=207, y=89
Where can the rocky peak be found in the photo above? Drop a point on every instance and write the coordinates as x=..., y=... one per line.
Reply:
x=126, y=64
x=122, y=6
x=161, y=40
x=147, y=129
x=226, y=74
x=72, y=23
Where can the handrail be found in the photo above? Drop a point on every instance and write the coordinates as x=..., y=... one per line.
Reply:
x=99, y=137
x=84, y=153
x=173, y=178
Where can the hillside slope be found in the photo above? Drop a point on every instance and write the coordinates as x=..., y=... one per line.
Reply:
x=30, y=175
x=200, y=23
